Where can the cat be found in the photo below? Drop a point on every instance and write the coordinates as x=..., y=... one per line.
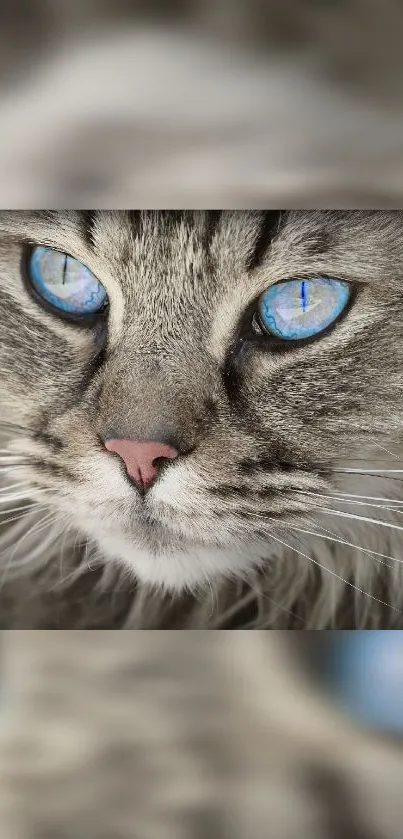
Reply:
x=166, y=736
x=277, y=499
x=241, y=104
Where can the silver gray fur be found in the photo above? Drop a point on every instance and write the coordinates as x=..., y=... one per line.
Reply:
x=249, y=527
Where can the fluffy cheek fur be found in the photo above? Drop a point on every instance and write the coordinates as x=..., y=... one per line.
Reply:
x=190, y=530
x=176, y=539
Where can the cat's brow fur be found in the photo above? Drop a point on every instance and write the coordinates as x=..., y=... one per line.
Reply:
x=263, y=437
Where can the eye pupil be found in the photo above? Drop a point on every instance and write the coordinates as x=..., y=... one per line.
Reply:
x=303, y=295
x=299, y=309
x=65, y=284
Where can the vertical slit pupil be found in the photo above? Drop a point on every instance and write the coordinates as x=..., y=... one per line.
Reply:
x=64, y=269
x=304, y=296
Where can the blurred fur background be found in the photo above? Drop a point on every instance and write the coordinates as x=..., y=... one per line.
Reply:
x=142, y=735
x=219, y=103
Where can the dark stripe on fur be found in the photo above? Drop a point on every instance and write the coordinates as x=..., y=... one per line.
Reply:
x=135, y=218
x=320, y=244
x=88, y=218
x=230, y=490
x=170, y=220
x=269, y=227
x=213, y=218
x=55, y=469
x=49, y=440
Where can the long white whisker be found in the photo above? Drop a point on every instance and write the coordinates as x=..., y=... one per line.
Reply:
x=36, y=528
x=27, y=560
x=21, y=496
x=359, y=518
x=12, y=461
x=37, y=525
x=332, y=537
x=25, y=512
x=340, y=460
x=386, y=507
x=372, y=497
x=62, y=548
x=7, y=531
x=62, y=582
x=234, y=608
x=375, y=554
x=282, y=608
x=375, y=474
x=16, y=509
x=394, y=456
x=28, y=497
x=13, y=518
x=353, y=501
x=10, y=487
x=33, y=554
x=369, y=471
x=333, y=573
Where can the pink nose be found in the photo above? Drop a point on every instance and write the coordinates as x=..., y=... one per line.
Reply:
x=139, y=458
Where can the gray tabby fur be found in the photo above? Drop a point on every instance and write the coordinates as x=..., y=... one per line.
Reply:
x=257, y=524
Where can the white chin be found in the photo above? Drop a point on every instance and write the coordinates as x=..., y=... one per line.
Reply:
x=180, y=569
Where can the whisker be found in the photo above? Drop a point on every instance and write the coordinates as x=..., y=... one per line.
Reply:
x=336, y=539
x=232, y=610
x=26, y=560
x=375, y=473
x=359, y=518
x=63, y=580
x=281, y=607
x=353, y=501
x=37, y=527
x=333, y=537
x=372, y=497
x=13, y=425
x=360, y=460
x=13, y=459
x=394, y=456
x=333, y=574
x=50, y=517
x=21, y=496
x=9, y=487
x=24, y=515
x=35, y=510
x=386, y=507
x=385, y=475
x=16, y=509
x=64, y=536
x=369, y=471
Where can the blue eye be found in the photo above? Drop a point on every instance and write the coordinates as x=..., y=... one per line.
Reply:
x=299, y=309
x=65, y=283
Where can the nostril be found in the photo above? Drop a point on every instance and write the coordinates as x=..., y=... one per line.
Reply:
x=160, y=461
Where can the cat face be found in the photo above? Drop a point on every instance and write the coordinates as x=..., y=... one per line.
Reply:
x=179, y=351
